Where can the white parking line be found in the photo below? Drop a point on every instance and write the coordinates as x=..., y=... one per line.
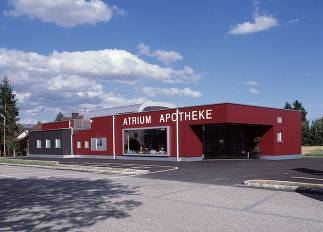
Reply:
x=11, y=177
x=308, y=178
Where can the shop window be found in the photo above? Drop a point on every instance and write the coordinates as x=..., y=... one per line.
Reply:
x=38, y=143
x=279, y=136
x=78, y=144
x=86, y=144
x=279, y=120
x=47, y=144
x=98, y=144
x=150, y=141
x=57, y=143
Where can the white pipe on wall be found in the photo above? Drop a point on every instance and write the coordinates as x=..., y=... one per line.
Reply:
x=177, y=139
x=113, y=139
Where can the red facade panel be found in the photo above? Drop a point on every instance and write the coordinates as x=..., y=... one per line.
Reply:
x=55, y=125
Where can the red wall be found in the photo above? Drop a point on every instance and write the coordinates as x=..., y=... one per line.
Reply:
x=55, y=125
x=190, y=136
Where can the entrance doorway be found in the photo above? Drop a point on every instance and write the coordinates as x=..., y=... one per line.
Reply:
x=230, y=141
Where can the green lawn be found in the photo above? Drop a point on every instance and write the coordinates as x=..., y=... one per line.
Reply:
x=28, y=162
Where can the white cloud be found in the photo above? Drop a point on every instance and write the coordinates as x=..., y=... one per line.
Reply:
x=261, y=23
x=108, y=64
x=68, y=82
x=35, y=111
x=187, y=92
x=65, y=13
x=292, y=21
x=143, y=49
x=167, y=57
x=76, y=80
x=116, y=10
x=28, y=121
x=253, y=90
x=22, y=96
x=251, y=83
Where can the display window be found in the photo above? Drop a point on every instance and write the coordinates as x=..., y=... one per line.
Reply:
x=146, y=141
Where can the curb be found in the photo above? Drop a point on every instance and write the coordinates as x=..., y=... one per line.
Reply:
x=294, y=187
x=126, y=171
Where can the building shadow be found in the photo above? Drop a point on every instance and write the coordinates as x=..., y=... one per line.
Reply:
x=61, y=204
x=318, y=197
x=308, y=171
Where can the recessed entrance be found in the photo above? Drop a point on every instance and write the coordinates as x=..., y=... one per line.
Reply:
x=230, y=141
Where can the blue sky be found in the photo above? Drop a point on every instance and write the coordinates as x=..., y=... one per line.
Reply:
x=76, y=55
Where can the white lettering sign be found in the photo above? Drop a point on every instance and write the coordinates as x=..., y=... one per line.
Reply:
x=137, y=120
x=182, y=116
x=187, y=116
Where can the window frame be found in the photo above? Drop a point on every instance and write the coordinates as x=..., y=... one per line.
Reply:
x=279, y=136
x=78, y=144
x=147, y=128
x=99, y=147
x=86, y=144
x=38, y=143
x=58, y=143
x=47, y=144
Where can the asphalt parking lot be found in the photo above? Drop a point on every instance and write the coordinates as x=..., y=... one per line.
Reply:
x=38, y=199
x=221, y=172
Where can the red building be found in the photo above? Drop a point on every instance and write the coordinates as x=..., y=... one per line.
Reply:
x=152, y=131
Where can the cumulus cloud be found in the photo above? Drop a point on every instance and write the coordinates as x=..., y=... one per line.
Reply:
x=21, y=97
x=108, y=65
x=153, y=92
x=253, y=90
x=35, y=111
x=167, y=57
x=251, y=83
x=30, y=121
x=65, y=13
x=76, y=80
x=261, y=23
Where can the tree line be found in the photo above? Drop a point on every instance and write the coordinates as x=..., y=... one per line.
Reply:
x=8, y=118
x=312, y=133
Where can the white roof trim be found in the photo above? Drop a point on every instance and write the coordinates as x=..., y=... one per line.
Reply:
x=125, y=109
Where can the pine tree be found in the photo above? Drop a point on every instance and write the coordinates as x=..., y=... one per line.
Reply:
x=298, y=106
x=59, y=117
x=288, y=106
x=8, y=112
x=317, y=132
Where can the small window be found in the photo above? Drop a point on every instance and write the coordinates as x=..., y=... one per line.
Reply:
x=38, y=143
x=279, y=120
x=98, y=144
x=86, y=144
x=78, y=144
x=279, y=136
x=47, y=143
x=57, y=143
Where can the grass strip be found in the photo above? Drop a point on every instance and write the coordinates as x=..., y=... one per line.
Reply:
x=29, y=162
x=314, y=154
x=287, y=183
